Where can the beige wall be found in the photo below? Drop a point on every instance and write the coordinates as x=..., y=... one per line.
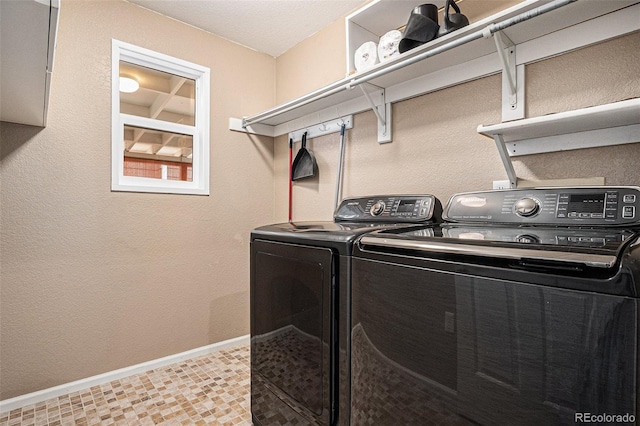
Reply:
x=94, y=280
x=436, y=149
x=312, y=63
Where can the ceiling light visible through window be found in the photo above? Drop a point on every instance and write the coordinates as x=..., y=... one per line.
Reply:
x=128, y=85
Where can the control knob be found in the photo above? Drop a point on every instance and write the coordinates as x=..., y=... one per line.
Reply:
x=526, y=207
x=377, y=208
x=527, y=239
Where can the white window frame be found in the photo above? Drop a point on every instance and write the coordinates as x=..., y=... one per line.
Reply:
x=199, y=185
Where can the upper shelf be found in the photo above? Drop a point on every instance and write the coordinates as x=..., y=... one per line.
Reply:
x=524, y=22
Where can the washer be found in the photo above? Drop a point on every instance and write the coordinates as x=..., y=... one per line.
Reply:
x=522, y=309
x=300, y=298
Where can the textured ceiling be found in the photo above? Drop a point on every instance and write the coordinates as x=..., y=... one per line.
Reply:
x=268, y=26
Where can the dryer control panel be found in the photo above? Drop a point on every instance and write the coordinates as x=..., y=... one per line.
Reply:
x=390, y=208
x=575, y=206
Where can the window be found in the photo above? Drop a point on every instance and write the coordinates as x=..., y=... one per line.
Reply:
x=160, y=123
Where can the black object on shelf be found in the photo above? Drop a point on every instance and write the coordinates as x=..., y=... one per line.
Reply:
x=453, y=21
x=421, y=28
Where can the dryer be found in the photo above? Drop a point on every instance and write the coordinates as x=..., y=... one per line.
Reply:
x=300, y=308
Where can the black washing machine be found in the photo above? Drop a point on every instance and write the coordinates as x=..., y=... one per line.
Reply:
x=521, y=310
x=300, y=314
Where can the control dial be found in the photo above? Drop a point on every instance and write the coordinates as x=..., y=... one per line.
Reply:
x=527, y=239
x=526, y=207
x=377, y=208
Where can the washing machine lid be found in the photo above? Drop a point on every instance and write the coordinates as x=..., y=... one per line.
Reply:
x=320, y=230
x=354, y=217
x=597, y=248
x=339, y=236
x=604, y=261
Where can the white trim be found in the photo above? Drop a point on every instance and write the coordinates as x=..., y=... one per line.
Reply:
x=165, y=126
x=200, y=131
x=235, y=124
x=588, y=139
x=45, y=394
x=151, y=59
x=446, y=77
x=594, y=31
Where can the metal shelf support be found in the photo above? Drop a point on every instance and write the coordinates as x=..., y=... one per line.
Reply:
x=507, y=53
x=506, y=160
x=382, y=110
x=512, y=77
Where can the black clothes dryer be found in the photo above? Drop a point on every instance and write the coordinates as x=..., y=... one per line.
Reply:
x=300, y=308
x=522, y=310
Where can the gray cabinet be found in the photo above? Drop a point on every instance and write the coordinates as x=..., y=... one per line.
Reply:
x=27, y=44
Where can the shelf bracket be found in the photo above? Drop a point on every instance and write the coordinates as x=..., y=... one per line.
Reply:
x=512, y=78
x=506, y=160
x=507, y=52
x=382, y=110
x=239, y=125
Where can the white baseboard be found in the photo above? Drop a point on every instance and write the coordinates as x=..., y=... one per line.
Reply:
x=45, y=394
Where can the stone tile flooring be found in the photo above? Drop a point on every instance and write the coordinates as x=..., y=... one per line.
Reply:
x=208, y=390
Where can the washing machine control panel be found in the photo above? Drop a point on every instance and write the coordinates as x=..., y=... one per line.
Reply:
x=389, y=208
x=574, y=206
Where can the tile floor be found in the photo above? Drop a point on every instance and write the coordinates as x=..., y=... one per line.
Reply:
x=208, y=390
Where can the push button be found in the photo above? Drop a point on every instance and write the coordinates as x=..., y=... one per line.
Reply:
x=629, y=198
x=628, y=212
